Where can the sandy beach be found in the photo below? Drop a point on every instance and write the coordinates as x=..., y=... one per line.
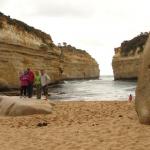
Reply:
x=78, y=125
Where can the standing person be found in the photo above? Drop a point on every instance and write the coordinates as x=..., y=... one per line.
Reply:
x=37, y=83
x=31, y=81
x=24, y=80
x=45, y=79
x=130, y=98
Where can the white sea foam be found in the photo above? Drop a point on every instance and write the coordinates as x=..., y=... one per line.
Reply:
x=104, y=89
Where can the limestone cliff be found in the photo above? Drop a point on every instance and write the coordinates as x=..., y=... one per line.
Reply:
x=76, y=63
x=127, y=58
x=22, y=46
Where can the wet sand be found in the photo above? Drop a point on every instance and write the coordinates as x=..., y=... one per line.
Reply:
x=77, y=126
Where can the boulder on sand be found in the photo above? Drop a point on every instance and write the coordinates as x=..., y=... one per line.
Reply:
x=14, y=106
x=142, y=100
x=3, y=84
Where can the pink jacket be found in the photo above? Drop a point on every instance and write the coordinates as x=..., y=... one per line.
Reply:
x=24, y=80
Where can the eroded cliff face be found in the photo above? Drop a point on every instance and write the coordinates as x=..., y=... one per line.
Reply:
x=127, y=58
x=77, y=64
x=22, y=46
x=126, y=68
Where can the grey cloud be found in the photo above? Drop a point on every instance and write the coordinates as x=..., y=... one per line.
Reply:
x=3, y=2
x=52, y=8
x=79, y=8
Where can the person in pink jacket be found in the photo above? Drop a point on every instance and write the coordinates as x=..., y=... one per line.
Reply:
x=24, y=81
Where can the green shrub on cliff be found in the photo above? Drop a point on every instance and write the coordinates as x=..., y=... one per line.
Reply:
x=65, y=46
x=133, y=44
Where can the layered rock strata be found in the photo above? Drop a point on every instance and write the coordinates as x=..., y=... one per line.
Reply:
x=127, y=58
x=126, y=68
x=22, y=46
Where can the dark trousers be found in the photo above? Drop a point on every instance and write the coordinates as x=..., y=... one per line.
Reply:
x=23, y=90
x=45, y=90
x=30, y=90
x=38, y=91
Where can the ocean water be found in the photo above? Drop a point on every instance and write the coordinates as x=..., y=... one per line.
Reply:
x=103, y=89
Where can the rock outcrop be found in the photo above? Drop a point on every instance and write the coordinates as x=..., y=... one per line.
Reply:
x=22, y=46
x=142, y=100
x=127, y=58
x=14, y=106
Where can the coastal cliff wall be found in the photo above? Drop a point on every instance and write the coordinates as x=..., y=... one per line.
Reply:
x=22, y=46
x=78, y=64
x=127, y=58
x=126, y=68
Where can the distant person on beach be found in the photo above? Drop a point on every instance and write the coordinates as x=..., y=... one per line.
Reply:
x=37, y=82
x=24, y=80
x=31, y=81
x=45, y=79
x=130, y=98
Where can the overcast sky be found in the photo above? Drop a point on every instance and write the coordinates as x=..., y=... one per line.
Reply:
x=97, y=26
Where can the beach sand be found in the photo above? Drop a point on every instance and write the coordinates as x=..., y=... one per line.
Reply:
x=77, y=126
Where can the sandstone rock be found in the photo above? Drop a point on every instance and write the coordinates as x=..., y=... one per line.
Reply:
x=3, y=84
x=127, y=58
x=126, y=68
x=14, y=106
x=22, y=46
x=142, y=100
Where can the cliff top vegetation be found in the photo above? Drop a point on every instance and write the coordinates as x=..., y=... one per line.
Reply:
x=133, y=44
x=65, y=46
x=24, y=27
